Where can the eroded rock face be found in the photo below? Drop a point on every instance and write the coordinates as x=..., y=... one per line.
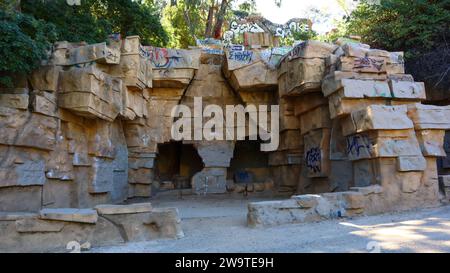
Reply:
x=74, y=230
x=85, y=130
x=90, y=92
x=379, y=127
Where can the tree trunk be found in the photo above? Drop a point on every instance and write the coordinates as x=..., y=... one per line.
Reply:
x=209, y=22
x=220, y=19
x=188, y=21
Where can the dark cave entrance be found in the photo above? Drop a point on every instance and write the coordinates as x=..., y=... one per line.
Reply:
x=175, y=165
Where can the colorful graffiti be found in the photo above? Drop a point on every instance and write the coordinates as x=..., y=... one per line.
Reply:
x=160, y=57
x=211, y=46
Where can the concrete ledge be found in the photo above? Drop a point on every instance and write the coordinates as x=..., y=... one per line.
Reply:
x=313, y=208
x=13, y=216
x=29, y=225
x=123, y=209
x=55, y=230
x=88, y=216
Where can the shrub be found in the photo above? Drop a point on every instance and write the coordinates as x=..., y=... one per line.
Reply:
x=24, y=42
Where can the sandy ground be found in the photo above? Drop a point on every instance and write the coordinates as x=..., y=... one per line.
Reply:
x=217, y=225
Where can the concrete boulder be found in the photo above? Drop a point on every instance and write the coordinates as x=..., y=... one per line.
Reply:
x=380, y=117
x=91, y=93
x=429, y=116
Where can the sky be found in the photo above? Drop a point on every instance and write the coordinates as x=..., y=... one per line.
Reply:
x=298, y=9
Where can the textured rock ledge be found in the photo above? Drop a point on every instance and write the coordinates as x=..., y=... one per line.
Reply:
x=56, y=230
x=315, y=208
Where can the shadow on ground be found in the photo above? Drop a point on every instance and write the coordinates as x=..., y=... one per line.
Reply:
x=219, y=225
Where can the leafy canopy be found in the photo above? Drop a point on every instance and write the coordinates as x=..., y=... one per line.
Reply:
x=24, y=42
x=414, y=26
x=94, y=20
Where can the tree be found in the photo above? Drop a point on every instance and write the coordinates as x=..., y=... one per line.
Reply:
x=248, y=7
x=415, y=26
x=184, y=21
x=208, y=17
x=420, y=28
x=220, y=17
x=10, y=5
x=94, y=20
x=24, y=42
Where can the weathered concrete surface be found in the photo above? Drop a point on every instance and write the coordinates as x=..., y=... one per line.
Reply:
x=90, y=126
x=219, y=226
x=247, y=70
x=57, y=230
x=123, y=209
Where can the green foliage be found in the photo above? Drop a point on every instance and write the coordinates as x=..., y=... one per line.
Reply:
x=185, y=22
x=246, y=8
x=94, y=20
x=9, y=5
x=334, y=34
x=303, y=35
x=414, y=26
x=299, y=35
x=420, y=28
x=24, y=42
x=73, y=23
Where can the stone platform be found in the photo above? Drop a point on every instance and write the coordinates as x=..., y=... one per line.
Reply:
x=67, y=229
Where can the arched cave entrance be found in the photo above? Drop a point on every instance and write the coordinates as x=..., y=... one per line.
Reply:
x=175, y=165
x=249, y=164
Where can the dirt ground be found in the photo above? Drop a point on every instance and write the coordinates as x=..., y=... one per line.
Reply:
x=215, y=224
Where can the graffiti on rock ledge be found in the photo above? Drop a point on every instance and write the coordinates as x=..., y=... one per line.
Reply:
x=210, y=46
x=356, y=144
x=366, y=62
x=245, y=56
x=160, y=57
x=314, y=159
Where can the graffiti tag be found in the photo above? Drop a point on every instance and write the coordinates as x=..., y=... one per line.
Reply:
x=273, y=56
x=298, y=50
x=212, y=51
x=288, y=29
x=211, y=46
x=241, y=56
x=237, y=48
x=367, y=62
x=159, y=57
x=277, y=30
x=357, y=143
x=313, y=159
x=237, y=28
x=112, y=56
